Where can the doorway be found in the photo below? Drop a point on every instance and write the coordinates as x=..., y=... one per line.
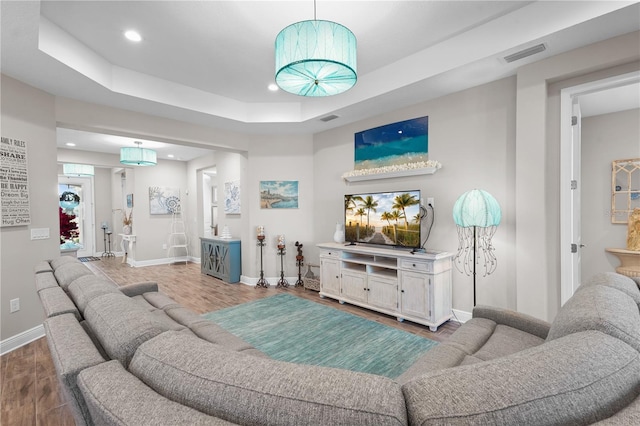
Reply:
x=570, y=210
x=75, y=208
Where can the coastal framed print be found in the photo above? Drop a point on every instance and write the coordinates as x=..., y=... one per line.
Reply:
x=232, y=197
x=393, y=144
x=163, y=200
x=279, y=194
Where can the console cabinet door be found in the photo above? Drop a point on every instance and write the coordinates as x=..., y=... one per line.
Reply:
x=383, y=292
x=414, y=293
x=330, y=276
x=354, y=285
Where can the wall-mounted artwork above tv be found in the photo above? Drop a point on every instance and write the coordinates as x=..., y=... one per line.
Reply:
x=383, y=218
x=393, y=144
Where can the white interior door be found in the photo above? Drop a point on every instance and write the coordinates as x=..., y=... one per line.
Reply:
x=576, y=237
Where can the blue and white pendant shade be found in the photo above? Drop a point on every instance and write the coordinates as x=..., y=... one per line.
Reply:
x=315, y=58
x=78, y=170
x=477, y=208
x=138, y=156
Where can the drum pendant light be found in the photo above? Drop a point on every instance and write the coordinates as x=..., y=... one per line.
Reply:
x=138, y=156
x=315, y=58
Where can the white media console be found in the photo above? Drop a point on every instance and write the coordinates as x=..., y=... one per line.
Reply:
x=411, y=286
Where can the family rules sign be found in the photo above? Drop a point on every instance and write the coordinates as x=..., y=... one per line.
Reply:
x=14, y=183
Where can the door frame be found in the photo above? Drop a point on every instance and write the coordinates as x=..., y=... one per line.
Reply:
x=89, y=226
x=568, y=96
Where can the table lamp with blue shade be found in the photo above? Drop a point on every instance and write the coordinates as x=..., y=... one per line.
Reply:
x=477, y=216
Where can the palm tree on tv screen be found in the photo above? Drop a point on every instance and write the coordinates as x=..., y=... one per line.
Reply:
x=360, y=212
x=387, y=216
x=350, y=201
x=403, y=201
x=370, y=204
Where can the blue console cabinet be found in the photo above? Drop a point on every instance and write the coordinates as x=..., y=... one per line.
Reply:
x=221, y=258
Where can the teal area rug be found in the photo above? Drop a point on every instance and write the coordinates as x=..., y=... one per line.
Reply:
x=289, y=328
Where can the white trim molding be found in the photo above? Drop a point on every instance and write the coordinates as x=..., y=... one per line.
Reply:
x=461, y=316
x=21, y=339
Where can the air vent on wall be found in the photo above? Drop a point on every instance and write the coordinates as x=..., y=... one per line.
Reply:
x=329, y=118
x=526, y=52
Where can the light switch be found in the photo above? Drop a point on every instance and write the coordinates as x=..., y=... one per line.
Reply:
x=39, y=233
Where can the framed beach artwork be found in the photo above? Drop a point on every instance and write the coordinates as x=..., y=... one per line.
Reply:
x=279, y=194
x=393, y=144
x=232, y=197
x=164, y=200
x=129, y=201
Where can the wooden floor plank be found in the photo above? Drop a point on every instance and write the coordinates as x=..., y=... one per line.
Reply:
x=31, y=394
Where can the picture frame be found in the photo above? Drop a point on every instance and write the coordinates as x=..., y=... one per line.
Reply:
x=279, y=194
x=129, y=201
x=232, y=197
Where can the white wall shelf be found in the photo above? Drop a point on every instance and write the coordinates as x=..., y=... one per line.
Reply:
x=388, y=175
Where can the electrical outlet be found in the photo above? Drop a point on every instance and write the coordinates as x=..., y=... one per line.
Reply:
x=164, y=247
x=430, y=201
x=14, y=305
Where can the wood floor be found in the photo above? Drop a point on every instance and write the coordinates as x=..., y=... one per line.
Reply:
x=30, y=394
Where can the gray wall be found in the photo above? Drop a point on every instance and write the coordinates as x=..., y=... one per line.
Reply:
x=605, y=138
x=28, y=114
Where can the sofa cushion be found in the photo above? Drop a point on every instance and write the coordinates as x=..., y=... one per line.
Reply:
x=578, y=379
x=506, y=341
x=56, y=302
x=63, y=260
x=245, y=389
x=116, y=397
x=88, y=287
x=45, y=280
x=68, y=273
x=599, y=308
x=121, y=325
x=613, y=280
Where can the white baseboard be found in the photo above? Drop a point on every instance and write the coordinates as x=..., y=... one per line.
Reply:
x=14, y=342
x=162, y=261
x=461, y=316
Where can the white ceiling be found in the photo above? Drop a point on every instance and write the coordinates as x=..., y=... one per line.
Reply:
x=210, y=62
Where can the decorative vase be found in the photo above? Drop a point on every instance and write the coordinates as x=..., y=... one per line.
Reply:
x=338, y=236
x=126, y=229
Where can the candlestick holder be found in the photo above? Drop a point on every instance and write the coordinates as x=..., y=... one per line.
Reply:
x=299, y=263
x=282, y=282
x=107, y=242
x=262, y=282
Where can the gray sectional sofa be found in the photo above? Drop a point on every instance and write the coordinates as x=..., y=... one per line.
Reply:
x=132, y=356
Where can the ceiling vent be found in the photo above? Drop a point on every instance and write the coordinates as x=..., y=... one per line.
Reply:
x=329, y=118
x=524, y=53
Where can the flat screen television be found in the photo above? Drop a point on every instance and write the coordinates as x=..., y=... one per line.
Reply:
x=383, y=218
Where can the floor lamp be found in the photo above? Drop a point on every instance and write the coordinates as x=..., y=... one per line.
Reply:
x=477, y=216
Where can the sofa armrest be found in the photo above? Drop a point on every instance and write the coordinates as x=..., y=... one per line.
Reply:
x=71, y=351
x=514, y=319
x=137, y=289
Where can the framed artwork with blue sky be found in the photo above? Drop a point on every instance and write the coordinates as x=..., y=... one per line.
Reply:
x=393, y=144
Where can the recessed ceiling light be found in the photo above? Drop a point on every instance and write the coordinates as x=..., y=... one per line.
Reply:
x=133, y=35
x=273, y=87
x=170, y=155
x=70, y=144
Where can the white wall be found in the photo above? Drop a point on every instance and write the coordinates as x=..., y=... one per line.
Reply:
x=605, y=138
x=537, y=165
x=28, y=114
x=286, y=157
x=472, y=134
